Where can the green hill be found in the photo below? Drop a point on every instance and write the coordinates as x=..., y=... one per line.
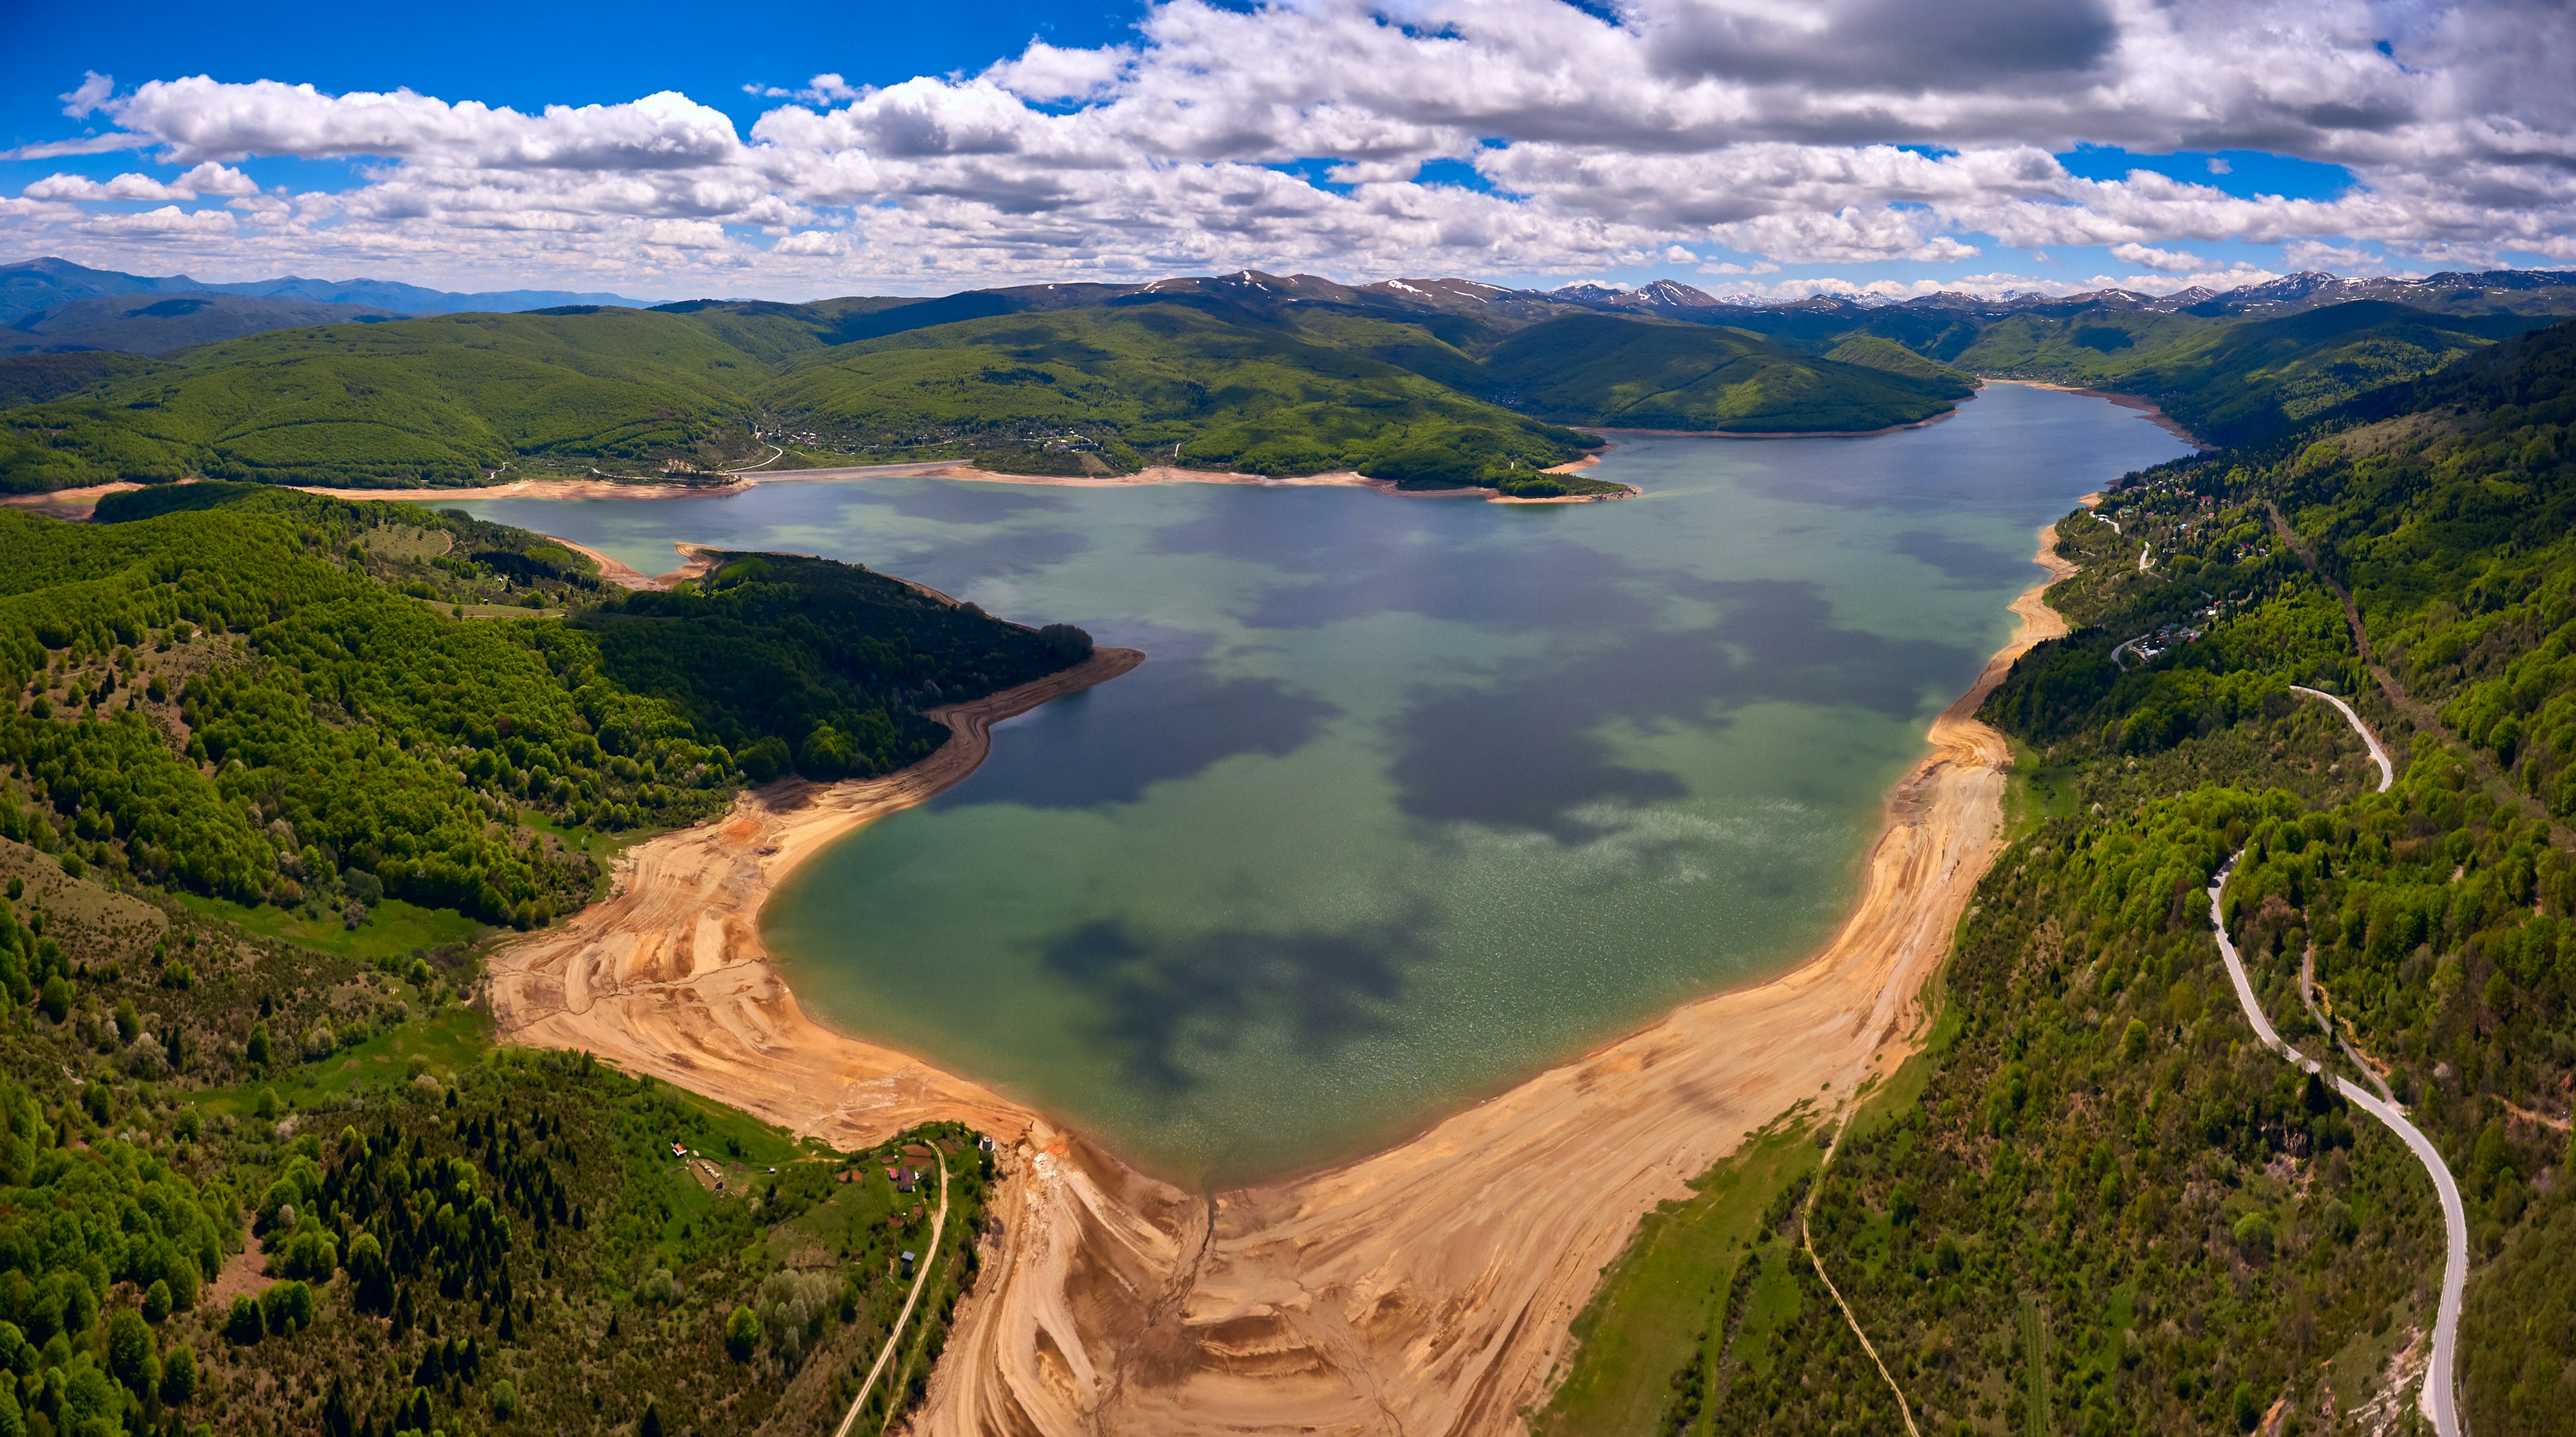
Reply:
x=36, y=378
x=1432, y=383
x=1242, y=372
x=1872, y=351
x=2239, y=381
x=431, y=401
x=275, y=771
x=1618, y=372
x=1166, y=382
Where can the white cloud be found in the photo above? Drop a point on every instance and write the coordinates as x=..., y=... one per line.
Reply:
x=2170, y=261
x=167, y=223
x=86, y=98
x=106, y=144
x=206, y=179
x=1841, y=132
x=811, y=242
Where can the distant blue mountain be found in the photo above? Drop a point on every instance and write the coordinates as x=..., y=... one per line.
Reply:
x=38, y=285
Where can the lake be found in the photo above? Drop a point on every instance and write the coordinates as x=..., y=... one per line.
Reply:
x=1412, y=796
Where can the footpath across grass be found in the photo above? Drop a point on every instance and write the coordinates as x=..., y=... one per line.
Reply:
x=1658, y=1300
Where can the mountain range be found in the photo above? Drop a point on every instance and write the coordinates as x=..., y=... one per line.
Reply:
x=53, y=304
x=1425, y=381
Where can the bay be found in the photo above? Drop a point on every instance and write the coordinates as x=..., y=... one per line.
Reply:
x=1412, y=795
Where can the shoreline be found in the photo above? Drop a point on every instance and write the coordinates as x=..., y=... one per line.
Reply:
x=747, y=480
x=1431, y=1284
x=2163, y=421
x=1776, y=434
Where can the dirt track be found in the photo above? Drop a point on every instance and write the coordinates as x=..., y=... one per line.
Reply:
x=1427, y=1289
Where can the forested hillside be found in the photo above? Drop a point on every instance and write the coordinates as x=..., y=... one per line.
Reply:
x=1246, y=373
x=1435, y=382
x=263, y=696
x=2093, y=1202
x=1602, y=370
x=272, y=767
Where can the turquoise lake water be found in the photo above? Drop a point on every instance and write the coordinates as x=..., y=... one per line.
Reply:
x=1412, y=796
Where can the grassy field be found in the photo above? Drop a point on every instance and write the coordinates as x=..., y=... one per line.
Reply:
x=394, y=929
x=1657, y=1302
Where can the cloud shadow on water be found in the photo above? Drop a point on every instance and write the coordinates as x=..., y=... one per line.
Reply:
x=1525, y=751
x=1966, y=565
x=1165, y=1000
x=960, y=501
x=1170, y=718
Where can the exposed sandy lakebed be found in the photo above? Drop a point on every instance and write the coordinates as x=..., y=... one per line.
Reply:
x=1427, y=1288
x=938, y=469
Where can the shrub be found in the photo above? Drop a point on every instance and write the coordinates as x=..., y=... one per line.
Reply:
x=2253, y=1234
x=793, y=1306
x=129, y=1352
x=764, y=760
x=179, y=1376
x=1065, y=643
x=244, y=1324
x=287, y=1306
x=370, y=1278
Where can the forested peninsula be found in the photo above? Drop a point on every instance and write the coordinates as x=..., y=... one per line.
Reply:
x=2090, y=1201
x=273, y=762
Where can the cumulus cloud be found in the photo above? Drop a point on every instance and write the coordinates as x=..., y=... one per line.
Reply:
x=1842, y=132
x=206, y=179
x=2170, y=261
x=85, y=99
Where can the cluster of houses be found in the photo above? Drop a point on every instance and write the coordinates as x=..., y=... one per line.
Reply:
x=2150, y=647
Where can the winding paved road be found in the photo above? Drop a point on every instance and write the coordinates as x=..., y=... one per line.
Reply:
x=2378, y=755
x=2438, y=1402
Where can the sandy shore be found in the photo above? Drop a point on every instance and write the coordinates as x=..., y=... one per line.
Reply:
x=668, y=975
x=941, y=469
x=67, y=503
x=1427, y=1288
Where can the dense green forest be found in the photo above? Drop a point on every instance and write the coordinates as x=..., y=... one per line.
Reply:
x=2092, y=1203
x=262, y=696
x=2241, y=382
x=1606, y=370
x=1074, y=380
x=220, y=1213
x=1445, y=385
x=656, y=395
x=274, y=765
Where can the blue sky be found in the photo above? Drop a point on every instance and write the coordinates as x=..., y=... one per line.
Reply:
x=2023, y=144
x=524, y=55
